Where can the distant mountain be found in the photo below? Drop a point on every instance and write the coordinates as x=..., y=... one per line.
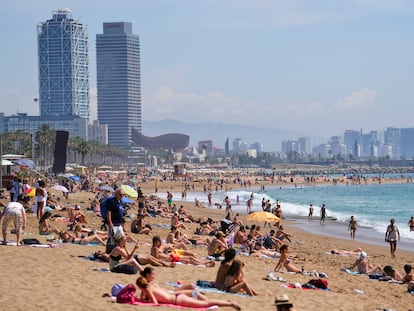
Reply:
x=270, y=138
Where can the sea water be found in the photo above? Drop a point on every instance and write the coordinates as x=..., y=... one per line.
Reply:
x=373, y=205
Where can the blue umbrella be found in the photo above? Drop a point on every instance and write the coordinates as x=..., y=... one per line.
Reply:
x=25, y=162
x=75, y=178
x=126, y=200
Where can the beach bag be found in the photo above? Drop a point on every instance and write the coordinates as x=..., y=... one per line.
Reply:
x=126, y=269
x=110, y=242
x=30, y=241
x=319, y=283
x=127, y=295
x=104, y=207
x=410, y=287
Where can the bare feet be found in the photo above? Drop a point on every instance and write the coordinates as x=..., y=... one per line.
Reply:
x=210, y=264
x=235, y=306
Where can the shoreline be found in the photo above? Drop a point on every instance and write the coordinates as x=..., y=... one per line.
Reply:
x=339, y=230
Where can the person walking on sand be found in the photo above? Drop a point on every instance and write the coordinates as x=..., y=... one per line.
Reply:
x=323, y=214
x=352, y=227
x=391, y=236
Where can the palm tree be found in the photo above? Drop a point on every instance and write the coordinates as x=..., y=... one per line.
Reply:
x=45, y=138
x=83, y=147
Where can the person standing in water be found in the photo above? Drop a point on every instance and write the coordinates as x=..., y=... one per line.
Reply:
x=323, y=214
x=352, y=227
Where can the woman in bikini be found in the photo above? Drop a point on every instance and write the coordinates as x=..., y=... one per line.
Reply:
x=44, y=225
x=151, y=292
x=235, y=280
x=120, y=256
x=284, y=260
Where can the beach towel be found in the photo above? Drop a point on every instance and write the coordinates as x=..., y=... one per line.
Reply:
x=352, y=272
x=271, y=277
x=293, y=285
x=207, y=288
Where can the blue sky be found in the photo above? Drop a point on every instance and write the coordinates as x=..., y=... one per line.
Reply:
x=316, y=66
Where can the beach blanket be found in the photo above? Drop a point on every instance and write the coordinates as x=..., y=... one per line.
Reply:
x=207, y=288
x=162, y=226
x=14, y=243
x=101, y=269
x=271, y=277
x=352, y=272
x=293, y=285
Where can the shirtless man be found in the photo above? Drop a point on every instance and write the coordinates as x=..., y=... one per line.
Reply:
x=217, y=246
x=364, y=265
x=411, y=223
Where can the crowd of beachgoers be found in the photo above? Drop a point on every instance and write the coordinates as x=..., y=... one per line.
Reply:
x=136, y=235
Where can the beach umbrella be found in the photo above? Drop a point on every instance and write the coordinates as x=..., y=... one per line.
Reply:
x=262, y=216
x=63, y=177
x=105, y=188
x=126, y=200
x=75, y=178
x=32, y=193
x=25, y=162
x=129, y=191
x=60, y=188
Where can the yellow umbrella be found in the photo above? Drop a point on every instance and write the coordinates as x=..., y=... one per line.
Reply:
x=262, y=216
x=129, y=191
x=32, y=193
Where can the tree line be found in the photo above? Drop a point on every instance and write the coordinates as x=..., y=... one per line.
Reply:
x=41, y=148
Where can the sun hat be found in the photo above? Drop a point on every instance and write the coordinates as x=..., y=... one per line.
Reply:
x=283, y=300
x=116, y=288
x=362, y=255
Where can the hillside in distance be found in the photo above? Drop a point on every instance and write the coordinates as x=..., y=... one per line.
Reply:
x=270, y=138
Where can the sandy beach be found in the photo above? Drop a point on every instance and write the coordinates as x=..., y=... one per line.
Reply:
x=59, y=278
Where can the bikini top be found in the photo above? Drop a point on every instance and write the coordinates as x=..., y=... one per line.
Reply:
x=115, y=258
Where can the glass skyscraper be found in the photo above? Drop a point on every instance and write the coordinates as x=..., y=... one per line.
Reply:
x=119, y=82
x=63, y=66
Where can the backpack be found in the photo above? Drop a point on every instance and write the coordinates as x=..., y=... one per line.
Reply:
x=319, y=283
x=127, y=295
x=104, y=207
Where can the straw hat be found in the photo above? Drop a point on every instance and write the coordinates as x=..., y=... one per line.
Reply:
x=283, y=300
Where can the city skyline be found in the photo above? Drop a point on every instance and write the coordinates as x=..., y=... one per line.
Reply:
x=313, y=68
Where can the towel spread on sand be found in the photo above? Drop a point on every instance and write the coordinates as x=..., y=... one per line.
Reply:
x=208, y=289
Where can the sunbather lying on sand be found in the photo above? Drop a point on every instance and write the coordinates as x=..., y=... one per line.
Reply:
x=154, y=293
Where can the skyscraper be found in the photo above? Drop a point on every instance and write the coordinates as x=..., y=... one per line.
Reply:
x=63, y=66
x=119, y=82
